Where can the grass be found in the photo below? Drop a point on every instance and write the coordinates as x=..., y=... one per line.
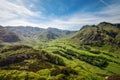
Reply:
x=59, y=48
x=111, y=56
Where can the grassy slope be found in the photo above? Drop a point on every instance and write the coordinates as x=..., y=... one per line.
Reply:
x=105, y=35
x=27, y=64
x=79, y=65
x=84, y=69
x=31, y=67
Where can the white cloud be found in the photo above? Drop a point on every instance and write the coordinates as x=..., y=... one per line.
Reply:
x=111, y=10
x=105, y=3
x=18, y=22
x=31, y=5
x=9, y=10
x=14, y=14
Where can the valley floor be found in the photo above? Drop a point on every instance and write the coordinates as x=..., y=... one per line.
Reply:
x=57, y=60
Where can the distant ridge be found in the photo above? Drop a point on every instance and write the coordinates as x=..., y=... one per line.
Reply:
x=8, y=36
x=39, y=33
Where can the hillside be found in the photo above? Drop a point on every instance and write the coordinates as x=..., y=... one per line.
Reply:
x=48, y=35
x=89, y=54
x=39, y=33
x=8, y=36
x=101, y=35
x=29, y=64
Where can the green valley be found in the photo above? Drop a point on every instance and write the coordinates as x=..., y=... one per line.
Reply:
x=92, y=53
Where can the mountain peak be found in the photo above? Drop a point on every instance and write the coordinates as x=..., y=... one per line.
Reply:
x=104, y=24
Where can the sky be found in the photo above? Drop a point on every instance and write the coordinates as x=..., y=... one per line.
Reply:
x=62, y=14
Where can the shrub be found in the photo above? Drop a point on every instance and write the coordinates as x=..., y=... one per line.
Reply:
x=64, y=55
x=52, y=58
x=94, y=60
x=66, y=71
x=95, y=52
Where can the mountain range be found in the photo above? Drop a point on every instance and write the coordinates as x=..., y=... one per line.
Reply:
x=39, y=33
x=91, y=53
